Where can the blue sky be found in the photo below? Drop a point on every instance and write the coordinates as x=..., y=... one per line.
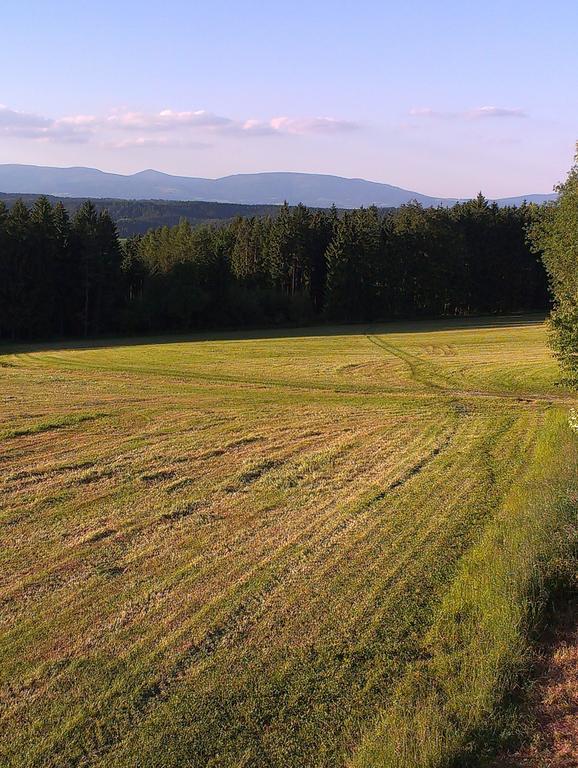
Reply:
x=444, y=97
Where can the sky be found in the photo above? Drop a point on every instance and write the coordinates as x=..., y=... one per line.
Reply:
x=444, y=98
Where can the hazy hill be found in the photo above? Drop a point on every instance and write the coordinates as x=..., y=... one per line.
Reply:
x=315, y=190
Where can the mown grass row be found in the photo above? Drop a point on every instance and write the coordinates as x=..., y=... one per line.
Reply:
x=235, y=563
x=447, y=708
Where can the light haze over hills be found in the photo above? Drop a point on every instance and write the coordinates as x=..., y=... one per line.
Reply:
x=318, y=190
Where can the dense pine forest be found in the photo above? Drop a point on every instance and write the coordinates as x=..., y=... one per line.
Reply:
x=74, y=276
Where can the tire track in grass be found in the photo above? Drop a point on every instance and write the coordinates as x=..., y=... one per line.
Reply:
x=421, y=371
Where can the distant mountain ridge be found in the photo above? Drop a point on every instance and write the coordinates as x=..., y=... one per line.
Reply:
x=316, y=190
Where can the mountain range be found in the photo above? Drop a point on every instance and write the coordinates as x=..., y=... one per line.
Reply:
x=316, y=190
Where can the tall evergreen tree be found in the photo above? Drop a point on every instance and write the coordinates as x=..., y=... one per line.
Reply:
x=17, y=296
x=85, y=238
x=43, y=256
x=348, y=279
x=67, y=276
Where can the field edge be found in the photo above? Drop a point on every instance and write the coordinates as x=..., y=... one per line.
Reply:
x=447, y=710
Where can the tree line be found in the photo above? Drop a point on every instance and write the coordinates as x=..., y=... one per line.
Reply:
x=136, y=217
x=74, y=276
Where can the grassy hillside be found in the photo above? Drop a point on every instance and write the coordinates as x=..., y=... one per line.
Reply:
x=275, y=549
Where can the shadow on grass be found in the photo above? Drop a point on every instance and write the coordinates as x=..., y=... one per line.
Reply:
x=311, y=331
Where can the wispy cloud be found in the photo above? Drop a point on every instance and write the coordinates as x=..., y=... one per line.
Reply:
x=319, y=125
x=484, y=112
x=166, y=128
x=166, y=120
x=28, y=125
x=13, y=121
x=477, y=113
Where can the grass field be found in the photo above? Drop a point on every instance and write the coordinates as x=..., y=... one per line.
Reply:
x=276, y=549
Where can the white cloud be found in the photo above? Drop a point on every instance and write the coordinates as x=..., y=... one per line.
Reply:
x=166, y=120
x=166, y=128
x=282, y=126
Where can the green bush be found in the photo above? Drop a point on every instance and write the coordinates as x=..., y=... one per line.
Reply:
x=555, y=234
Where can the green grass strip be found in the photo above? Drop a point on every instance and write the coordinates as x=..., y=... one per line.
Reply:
x=450, y=701
x=60, y=422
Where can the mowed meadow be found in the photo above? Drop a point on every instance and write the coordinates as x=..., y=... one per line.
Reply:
x=290, y=548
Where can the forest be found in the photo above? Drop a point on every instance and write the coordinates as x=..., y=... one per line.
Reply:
x=136, y=217
x=74, y=276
